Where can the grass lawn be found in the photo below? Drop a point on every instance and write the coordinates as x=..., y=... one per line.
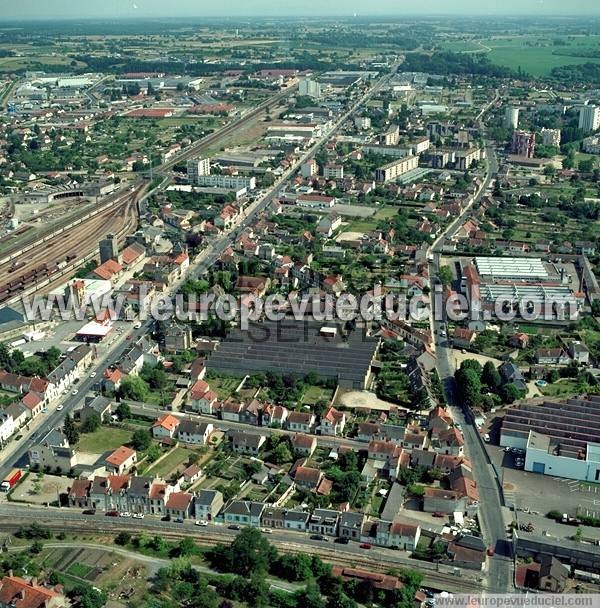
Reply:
x=560, y=388
x=170, y=463
x=105, y=438
x=386, y=213
x=361, y=226
x=313, y=394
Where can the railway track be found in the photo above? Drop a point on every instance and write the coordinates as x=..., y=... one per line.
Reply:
x=65, y=248
x=432, y=578
x=212, y=138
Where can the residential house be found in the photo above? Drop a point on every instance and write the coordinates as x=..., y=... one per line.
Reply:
x=179, y=505
x=246, y=443
x=333, y=422
x=138, y=494
x=121, y=460
x=208, y=504
x=18, y=412
x=301, y=422
x=368, y=431
x=231, y=410
x=307, y=478
x=324, y=521
x=243, y=512
x=295, y=520
x=193, y=432
x=448, y=442
x=159, y=494
x=350, y=525
x=165, y=427
x=467, y=552
x=33, y=403
x=397, y=534
x=579, y=352
x=252, y=413
x=202, y=399
x=18, y=592
x=463, y=337
x=98, y=405
x=191, y=474
x=273, y=517
x=53, y=453
x=109, y=492
x=7, y=426
x=303, y=445
x=274, y=416
x=510, y=373
x=551, y=356
x=443, y=501
x=553, y=576
x=79, y=493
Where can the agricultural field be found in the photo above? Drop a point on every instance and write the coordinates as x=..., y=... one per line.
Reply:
x=534, y=55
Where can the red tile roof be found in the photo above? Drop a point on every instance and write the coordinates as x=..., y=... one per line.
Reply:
x=120, y=455
x=16, y=591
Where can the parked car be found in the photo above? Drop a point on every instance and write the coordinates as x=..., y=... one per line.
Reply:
x=491, y=551
x=319, y=537
x=439, y=514
x=59, y=408
x=138, y=516
x=89, y=512
x=179, y=520
x=365, y=546
x=201, y=522
x=112, y=514
x=342, y=540
x=234, y=527
x=125, y=514
x=266, y=530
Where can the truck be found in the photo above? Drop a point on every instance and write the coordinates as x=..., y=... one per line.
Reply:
x=10, y=481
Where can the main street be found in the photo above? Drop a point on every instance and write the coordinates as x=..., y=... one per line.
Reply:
x=499, y=571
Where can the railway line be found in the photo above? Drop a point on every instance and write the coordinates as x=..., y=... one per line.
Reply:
x=67, y=247
x=212, y=138
x=433, y=578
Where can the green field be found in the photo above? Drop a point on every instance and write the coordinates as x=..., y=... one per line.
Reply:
x=533, y=54
x=104, y=439
x=169, y=463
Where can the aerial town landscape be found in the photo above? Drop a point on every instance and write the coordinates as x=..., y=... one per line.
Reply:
x=298, y=311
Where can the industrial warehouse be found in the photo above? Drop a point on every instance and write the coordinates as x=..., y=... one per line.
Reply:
x=298, y=348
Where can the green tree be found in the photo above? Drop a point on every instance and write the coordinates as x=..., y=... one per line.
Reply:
x=92, y=423
x=491, y=376
x=123, y=538
x=70, y=430
x=123, y=411
x=445, y=275
x=141, y=440
x=135, y=388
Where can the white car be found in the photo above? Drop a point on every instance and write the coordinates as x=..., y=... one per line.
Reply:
x=74, y=392
x=266, y=531
x=93, y=375
x=137, y=516
x=125, y=514
x=201, y=522
x=59, y=408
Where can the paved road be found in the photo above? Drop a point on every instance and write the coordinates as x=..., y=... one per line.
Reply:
x=148, y=410
x=499, y=572
x=287, y=540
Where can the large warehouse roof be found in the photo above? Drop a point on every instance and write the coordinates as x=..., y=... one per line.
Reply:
x=297, y=348
x=512, y=268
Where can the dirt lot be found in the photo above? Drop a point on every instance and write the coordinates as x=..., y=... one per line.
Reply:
x=362, y=399
x=41, y=489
